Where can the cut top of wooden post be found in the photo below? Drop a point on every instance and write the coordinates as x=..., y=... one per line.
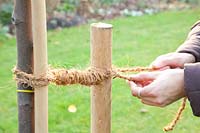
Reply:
x=102, y=25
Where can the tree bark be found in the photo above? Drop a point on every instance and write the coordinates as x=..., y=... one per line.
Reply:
x=22, y=20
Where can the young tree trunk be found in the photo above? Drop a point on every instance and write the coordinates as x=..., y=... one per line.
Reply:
x=22, y=20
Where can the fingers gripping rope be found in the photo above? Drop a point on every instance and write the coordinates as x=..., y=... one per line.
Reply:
x=88, y=77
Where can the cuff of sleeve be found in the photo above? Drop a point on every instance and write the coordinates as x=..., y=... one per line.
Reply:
x=194, y=102
x=192, y=86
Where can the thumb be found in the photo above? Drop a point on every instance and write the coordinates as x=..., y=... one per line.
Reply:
x=161, y=64
x=157, y=64
x=145, y=76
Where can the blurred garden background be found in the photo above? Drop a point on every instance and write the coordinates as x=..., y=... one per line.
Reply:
x=143, y=30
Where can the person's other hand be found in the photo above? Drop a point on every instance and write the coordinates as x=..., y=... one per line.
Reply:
x=172, y=60
x=158, y=88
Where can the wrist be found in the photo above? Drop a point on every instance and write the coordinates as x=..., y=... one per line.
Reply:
x=180, y=72
x=189, y=58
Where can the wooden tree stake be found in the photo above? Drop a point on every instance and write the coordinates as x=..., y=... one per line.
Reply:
x=40, y=64
x=101, y=41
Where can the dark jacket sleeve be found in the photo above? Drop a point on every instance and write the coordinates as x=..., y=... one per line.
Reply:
x=192, y=43
x=192, y=86
x=192, y=71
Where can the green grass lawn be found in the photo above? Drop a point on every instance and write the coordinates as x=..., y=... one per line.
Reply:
x=136, y=42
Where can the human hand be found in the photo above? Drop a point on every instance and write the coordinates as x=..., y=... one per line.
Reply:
x=158, y=88
x=172, y=60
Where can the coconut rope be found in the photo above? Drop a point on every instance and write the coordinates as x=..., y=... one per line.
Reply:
x=88, y=77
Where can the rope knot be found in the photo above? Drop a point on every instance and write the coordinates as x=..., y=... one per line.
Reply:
x=29, y=79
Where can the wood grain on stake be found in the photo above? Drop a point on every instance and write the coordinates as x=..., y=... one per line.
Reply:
x=40, y=64
x=101, y=41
